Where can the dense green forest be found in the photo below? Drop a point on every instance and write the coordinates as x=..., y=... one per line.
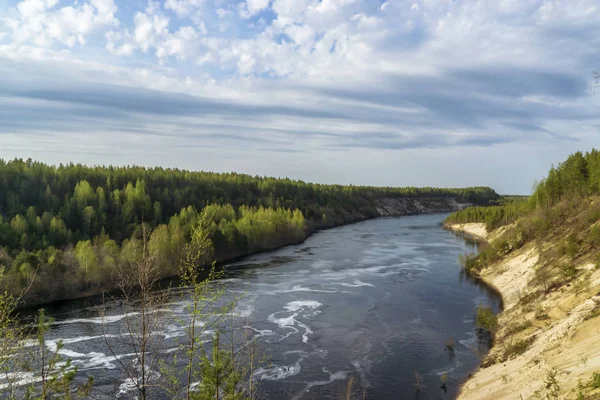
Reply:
x=66, y=227
x=564, y=208
x=575, y=178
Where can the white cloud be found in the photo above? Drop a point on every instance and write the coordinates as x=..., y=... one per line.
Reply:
x=42, y=23
x=407, y=74
x=151, y=31
x=184, y=8
x=252, y=7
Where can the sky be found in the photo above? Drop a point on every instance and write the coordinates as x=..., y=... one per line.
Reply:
x=447, y=93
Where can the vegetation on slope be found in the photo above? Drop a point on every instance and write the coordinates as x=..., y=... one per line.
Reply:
x=567, y=200
x=66, y=228
x=546, y=256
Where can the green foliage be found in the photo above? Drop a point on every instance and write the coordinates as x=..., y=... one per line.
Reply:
x=11, y=343
x=568, y=271
x=570, y=246
x=594, y=236
x=517, y=328
x=578, y=176
x=493, y=216
x=57, y=373
x=517, y=348
x=551, y=385
x=76, y=223
x=219, y=375
x=470, y=262
x=594, y=382
x=558, y=202
x=541, y=315
x=485, y=318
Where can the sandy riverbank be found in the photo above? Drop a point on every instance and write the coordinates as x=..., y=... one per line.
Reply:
x=561, y=326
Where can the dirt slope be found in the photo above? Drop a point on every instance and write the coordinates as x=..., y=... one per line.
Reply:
x=557, y=331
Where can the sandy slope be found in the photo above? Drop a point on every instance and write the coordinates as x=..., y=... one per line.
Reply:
x=566, y=341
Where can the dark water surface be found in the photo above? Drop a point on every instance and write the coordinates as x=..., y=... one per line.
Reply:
x=375, y=301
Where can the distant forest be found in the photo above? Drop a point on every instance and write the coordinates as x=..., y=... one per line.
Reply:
x=572, y=180
x=67, y=227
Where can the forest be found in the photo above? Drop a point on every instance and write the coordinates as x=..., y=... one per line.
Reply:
x=567, y=200
x=575, y=178
x=64, y=228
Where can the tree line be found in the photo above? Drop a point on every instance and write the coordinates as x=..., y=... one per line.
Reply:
x=65, y=227
x=575, y=178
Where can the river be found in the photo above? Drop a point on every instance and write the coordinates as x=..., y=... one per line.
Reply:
x=375, y=301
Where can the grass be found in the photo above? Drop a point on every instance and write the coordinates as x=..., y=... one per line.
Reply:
x=568, y=271
x=541, y=315
x=594, y=382
x=517, y=348
x=512, y=330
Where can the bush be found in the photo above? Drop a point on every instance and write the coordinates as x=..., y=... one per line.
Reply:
x=568, y=271
x=518, y=328
x=450, y=345
x=594, y=236
x=570, y=246
x=518, y=348
x=486, y=319
x=541, y=315
x=470, y=262
x=594, y=382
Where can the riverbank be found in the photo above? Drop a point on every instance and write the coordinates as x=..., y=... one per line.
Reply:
x=384, y=207
x=549, y=339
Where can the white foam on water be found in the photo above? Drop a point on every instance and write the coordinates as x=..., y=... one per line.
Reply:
x=471, y=342
x=450, y=369
x=290, y=322
x=259, y=333
x=336, y=376
x=300, y=304
x=321, y=264
x=174, y=331
x=97, y=320
x=278, y=373
x=307, y=331
x=229, y=280
x=355, y=284
x=299, y=288
x=108, y=319
x=243, y=311
x=18, y=379
x=129, y=384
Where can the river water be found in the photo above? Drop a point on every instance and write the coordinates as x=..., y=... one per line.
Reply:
x=374, y=301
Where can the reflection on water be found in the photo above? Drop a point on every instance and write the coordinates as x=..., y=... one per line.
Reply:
x=375, y=301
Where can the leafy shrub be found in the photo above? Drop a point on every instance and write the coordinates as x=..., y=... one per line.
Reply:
x=518, y=328
x=541, y=315
x=518, y=348
x=568, y=271
x=594, y=382
x=486, y=319
x=470, y=262
x=594, y=236
x=570, y=246
x=450, y=345
x=552, y=385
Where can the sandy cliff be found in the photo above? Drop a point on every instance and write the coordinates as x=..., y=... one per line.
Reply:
x=556, y=331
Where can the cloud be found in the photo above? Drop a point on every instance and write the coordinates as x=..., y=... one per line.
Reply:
x=184, y=8
x=316, y=77
x=42, y=23
x=250, y=8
